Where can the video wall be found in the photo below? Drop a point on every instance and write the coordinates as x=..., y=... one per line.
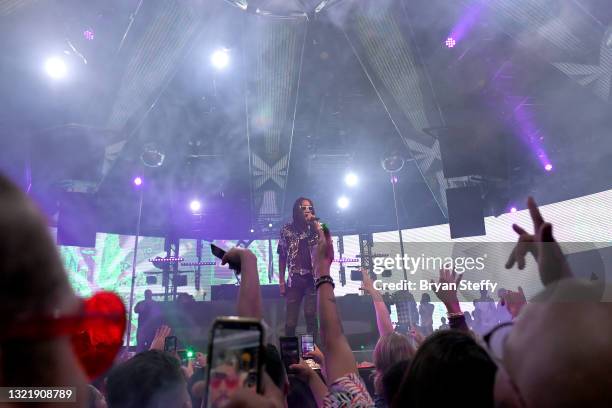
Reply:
x=108, y=266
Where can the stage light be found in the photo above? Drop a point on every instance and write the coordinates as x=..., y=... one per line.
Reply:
x=513, y=209
x=88, y=34
x=548, y=167
x=252, y=231
x=343, y=202
x=56, y=68
x=394, y=179
x=138, y=181
x=195, y=205
x=270, y=225
x=351, y=179
x=220, y=58
x=450, y=42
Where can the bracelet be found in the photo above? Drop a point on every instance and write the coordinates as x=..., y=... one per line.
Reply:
x=324, y=279
x=454, y=315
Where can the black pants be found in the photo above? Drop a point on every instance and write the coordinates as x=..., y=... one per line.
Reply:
x=302, y=286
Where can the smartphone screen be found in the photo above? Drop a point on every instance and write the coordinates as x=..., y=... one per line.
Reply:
x=307, y=344
x=170, y=344
x=290, y=350
x=235, y=359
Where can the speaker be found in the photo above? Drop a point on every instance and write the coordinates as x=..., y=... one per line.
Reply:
x=465, y=212
x=76, y=224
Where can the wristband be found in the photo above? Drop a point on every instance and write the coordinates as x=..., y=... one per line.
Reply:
x=324, y=279
x=454, y=315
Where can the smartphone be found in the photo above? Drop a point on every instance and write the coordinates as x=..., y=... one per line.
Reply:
x=356, y=275
x=235, y=358
x=170, y=344
x=289, y=350
x=220, y=253
x=307, y=344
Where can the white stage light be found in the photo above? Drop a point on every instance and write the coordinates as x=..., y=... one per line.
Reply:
x=351, y=179
x=56, y=68
x=220, y=58
x=343, y=202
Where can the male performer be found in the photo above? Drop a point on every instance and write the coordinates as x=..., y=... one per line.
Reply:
x=296, y=240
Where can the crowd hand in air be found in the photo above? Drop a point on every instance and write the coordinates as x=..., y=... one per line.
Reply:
x=188, y=369
x=552, y=264
x=416, y=335
x=317, y=356
x=160, y=338
x=449, y=296
x=367, y=285
x=514, y=301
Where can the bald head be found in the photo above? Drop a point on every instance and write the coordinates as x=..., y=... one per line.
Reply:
x=561, y=342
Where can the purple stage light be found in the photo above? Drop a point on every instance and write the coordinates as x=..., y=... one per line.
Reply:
x=138, y=181
x=548, y=167
x=450, y=42
x=195, y=205
x=513, y=209
x=88, y=34
x=394, y=179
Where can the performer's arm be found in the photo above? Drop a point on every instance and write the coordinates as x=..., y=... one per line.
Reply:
x=282, y=264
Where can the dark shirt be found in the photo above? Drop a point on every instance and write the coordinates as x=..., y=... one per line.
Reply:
x=294, y=245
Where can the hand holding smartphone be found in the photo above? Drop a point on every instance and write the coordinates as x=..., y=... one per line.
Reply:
x=170, y=343
x=235, y=358
x=220, y=253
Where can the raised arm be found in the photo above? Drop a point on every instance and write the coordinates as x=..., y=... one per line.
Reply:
x=249, y=294
x=383, y=319
x=456, y=320
x=552, y=264
x=339, y=359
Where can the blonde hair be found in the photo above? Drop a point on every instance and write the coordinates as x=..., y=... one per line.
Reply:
x=390, y=349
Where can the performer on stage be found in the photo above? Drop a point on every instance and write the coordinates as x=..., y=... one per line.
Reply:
x=296, y=240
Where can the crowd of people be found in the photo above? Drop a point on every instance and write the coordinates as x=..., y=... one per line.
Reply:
x=550, y=351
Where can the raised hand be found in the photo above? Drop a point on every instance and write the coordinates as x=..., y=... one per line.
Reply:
x=160, y=338
x=552, y=264
x=367, y=285
x=514, y=301
x=317, y=356
x=448, y=296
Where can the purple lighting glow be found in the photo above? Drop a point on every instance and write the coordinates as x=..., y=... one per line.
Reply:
x=450, y=42
x=137, y=181
x=468, y=19
x=548, y=167
x=513, y=209
x=88, y=34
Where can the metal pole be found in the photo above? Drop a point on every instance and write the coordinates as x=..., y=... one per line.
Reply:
x=131, y=304
x=399, y=230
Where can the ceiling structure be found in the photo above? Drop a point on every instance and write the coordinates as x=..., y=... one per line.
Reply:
x=313, y=89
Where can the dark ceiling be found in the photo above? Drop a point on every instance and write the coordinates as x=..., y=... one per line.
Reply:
x=313, y=89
